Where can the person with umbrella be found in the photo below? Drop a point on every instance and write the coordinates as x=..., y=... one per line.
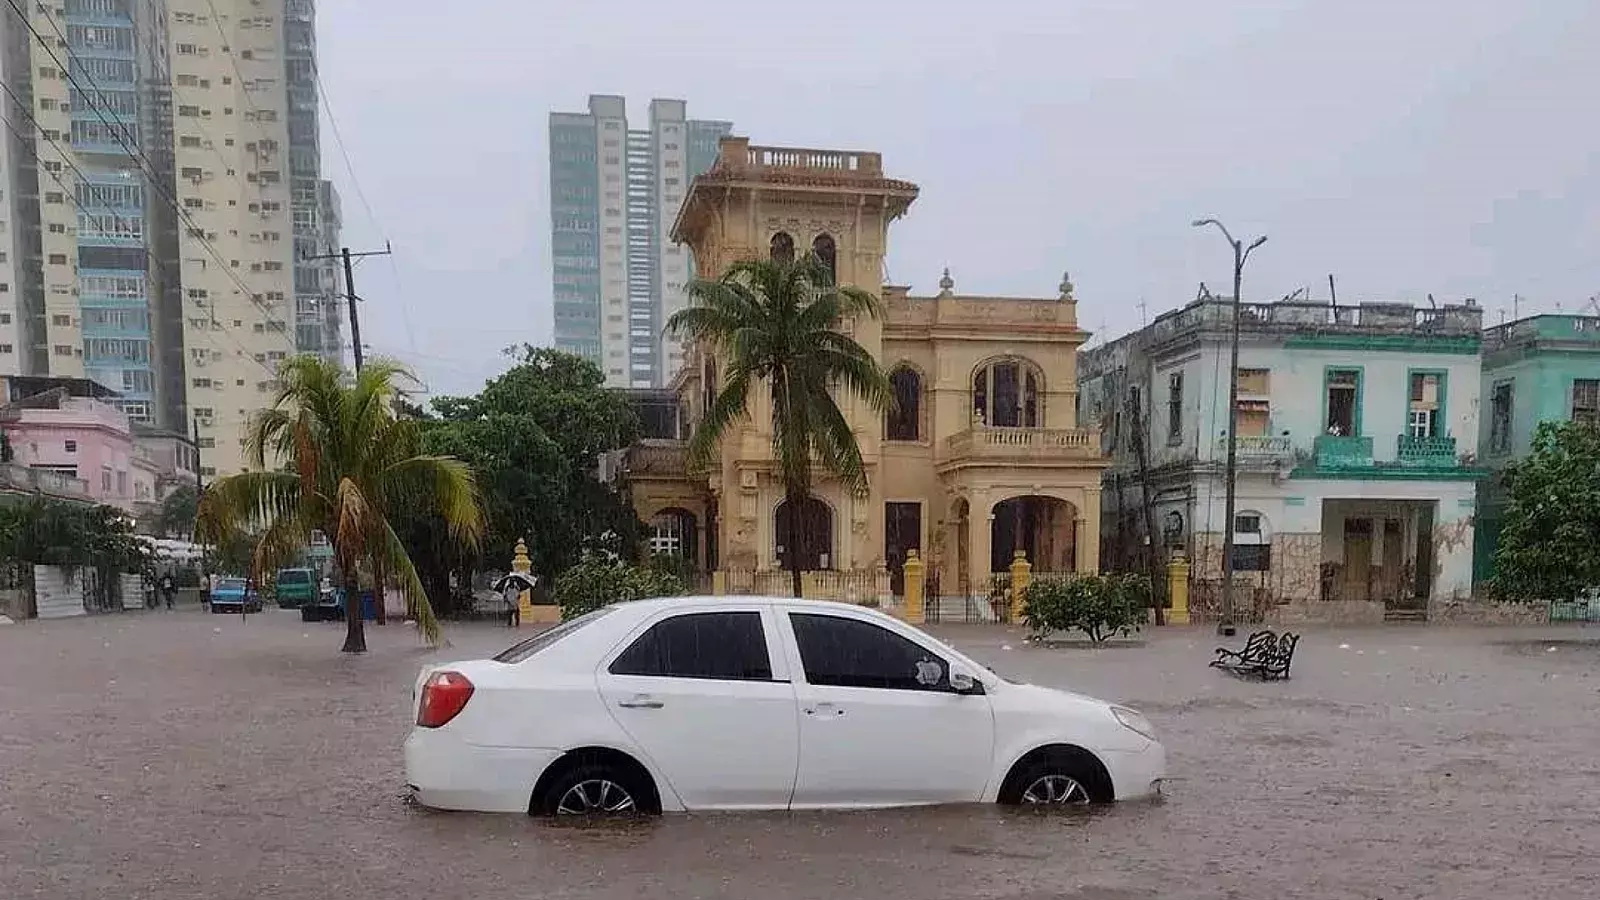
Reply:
x=511, y=586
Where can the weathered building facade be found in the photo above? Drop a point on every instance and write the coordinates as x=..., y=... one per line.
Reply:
x=982, y=457
x=1357, y=433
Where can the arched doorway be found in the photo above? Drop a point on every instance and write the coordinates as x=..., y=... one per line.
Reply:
x=813, y=540
x=1045, y=529
x=673, y=532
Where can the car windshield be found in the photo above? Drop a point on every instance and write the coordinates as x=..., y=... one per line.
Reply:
x=294, y=576
x=232, y=584
x=520, y=651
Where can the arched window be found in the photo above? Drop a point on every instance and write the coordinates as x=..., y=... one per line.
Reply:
x=814, y=541
x=827, y=254
x=1005, y=394
x=904, y=420
x=782, y=248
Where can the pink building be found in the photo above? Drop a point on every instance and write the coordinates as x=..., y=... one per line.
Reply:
x=86, y=439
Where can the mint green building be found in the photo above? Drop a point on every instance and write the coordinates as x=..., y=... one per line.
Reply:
x=1539, y=369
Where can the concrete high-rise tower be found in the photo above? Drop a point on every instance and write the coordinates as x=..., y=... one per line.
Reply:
x=614, y=193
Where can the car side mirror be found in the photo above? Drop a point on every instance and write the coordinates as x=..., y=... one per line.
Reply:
x=963, y=683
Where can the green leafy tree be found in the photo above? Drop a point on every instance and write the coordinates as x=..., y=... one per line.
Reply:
x=175, y=517
x=1100, y=606
x=49, y=532
x=1549, y=546
x=533, y=437
x=775, y=325
x=351, y=465
x=595, y=582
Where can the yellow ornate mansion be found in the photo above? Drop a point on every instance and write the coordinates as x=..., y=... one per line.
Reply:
x=982, y=457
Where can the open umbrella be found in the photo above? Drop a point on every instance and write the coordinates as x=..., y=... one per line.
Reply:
x=523, y=582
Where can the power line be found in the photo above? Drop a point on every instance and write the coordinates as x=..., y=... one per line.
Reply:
x=71, y=197
x=138, y=155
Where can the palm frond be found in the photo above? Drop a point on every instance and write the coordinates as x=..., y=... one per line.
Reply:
x=393, y=552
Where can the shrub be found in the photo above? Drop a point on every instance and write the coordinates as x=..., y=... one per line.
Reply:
x=596, y=582
x=1100, y=606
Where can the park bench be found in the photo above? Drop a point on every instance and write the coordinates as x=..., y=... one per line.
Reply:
x=1265, y=655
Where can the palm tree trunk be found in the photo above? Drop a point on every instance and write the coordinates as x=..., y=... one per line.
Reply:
x=378, y=593
x=791, y=511
x=355, y=633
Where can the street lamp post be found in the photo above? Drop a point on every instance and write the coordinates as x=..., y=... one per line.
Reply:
x=1241, y=253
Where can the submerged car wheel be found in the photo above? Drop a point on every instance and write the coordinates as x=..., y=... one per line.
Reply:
x=594, y=790
x=1055, y=788
x=1057, y=777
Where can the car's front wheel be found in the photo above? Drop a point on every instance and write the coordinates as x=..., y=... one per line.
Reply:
x=593, y=790
x=1057, y=779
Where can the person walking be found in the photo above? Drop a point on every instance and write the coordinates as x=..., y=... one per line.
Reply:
x=511, y=593
x=168, y=589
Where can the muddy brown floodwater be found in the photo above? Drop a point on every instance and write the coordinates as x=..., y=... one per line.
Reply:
x=171, y=756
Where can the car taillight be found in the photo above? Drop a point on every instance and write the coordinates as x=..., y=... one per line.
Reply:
x=444, y=695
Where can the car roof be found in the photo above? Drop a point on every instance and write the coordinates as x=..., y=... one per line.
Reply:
x=656, y=603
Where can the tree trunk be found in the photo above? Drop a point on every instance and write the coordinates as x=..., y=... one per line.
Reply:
x=379, y=594
x=355, y=632
x=791, y=511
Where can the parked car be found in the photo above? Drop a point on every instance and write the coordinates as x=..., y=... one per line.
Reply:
x=235, y=595
x=703, y=703
x=295, y=588
x=329, y=606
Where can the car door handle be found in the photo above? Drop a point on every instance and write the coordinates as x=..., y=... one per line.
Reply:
x=641, y=701
x=824, y=709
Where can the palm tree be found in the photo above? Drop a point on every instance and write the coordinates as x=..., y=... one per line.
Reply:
x=776, y=321
x=350, y=466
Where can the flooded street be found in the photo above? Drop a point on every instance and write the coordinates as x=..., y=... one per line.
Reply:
x=188, y=756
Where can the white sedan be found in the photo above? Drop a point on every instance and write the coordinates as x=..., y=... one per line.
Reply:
x=720, y=703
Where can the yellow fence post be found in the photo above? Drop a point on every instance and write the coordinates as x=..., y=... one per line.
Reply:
x=913, y=571
x=1178, y=590
x=1021, y=574
x=521, y=563
x=719, y=582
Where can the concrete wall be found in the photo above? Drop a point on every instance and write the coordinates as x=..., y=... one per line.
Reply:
x=58, y=592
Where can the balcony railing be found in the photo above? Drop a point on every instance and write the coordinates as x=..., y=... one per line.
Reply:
x=658, y=459
x=42, y=481
x=1040, y=443
x=1338, y=452
x=1258, y=448
x=1426, y=452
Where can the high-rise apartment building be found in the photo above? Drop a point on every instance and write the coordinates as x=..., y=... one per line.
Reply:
x=244, y=96
x=614, y=193
x=89, y=268
x=160, y=188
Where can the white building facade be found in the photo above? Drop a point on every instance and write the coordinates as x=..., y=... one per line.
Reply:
x=1355, y=453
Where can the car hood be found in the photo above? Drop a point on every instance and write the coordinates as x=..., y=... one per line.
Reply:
x=1040, y=695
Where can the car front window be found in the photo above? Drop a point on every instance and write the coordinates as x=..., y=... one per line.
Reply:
x=841, y=652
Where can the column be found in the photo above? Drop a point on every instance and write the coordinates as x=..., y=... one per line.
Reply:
x=1087, y=532
x=980, y=525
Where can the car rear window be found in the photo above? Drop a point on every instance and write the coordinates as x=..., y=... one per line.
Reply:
x=520, y=651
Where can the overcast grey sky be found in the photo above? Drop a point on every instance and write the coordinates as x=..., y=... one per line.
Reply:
x=1450, y=146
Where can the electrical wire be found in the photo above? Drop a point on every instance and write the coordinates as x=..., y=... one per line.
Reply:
x=71, y=197
x=144, y=163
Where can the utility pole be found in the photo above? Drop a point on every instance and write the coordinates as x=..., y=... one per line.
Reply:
x=350, y=290
x=199, y=497
x=1241, y=253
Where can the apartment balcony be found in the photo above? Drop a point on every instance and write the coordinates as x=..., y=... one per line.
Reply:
x=1426, y=452
x=1330, y=451
x=1258, y=450
x=982, y=446
x=653, y=458
x=25, y=480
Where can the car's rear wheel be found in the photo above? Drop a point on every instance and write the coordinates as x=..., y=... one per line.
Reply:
x=1057, y=778
x=593, y=790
